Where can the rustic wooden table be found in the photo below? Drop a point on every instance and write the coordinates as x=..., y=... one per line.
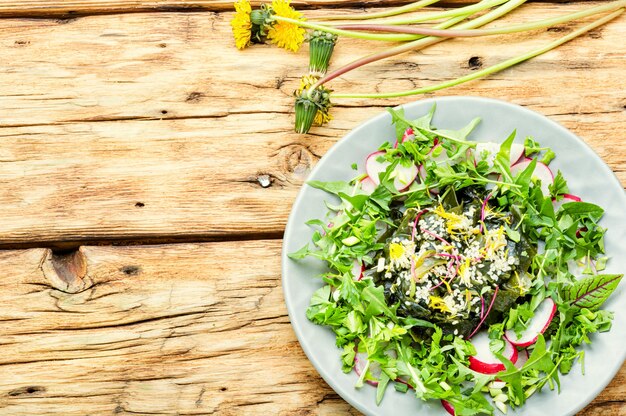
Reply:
x=140, y=260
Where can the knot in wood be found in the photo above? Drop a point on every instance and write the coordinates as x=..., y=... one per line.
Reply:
x=298, y=160
x=66, y=272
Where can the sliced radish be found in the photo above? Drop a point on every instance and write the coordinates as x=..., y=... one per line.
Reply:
x=538, y=324
x=566, y=198
x=442, y=157
x=516, y=153
x=523, y=356
x=374, y=168
x=448, y=406
x=421, y=175
x=405, y=176
x=485, y=361
x=374, y=368
x=368, y=185
x=406, y=136
x=541, y=172
x=357, y=269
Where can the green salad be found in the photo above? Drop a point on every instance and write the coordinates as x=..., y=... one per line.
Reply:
x=459, y=271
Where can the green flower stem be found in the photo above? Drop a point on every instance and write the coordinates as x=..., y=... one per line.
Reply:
x=386, y=13
x=348, y=33
x=426, y=41
x=492, y=31
x=492, y=69
x=474, y=8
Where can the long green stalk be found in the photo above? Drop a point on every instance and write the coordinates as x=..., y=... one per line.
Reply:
x=471, y=9
x=492, y=69
x=492, y=31
x=385, y=13
x=423, y=42
x=348, y=33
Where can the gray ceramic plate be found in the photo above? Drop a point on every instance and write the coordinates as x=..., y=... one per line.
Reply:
x=588, y=177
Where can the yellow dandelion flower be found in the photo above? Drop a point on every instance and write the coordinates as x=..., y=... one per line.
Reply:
x=312, y=105
x=396, y=250
x=322, y=118
x=435, y=302
x=284, y=34
x=241, y=24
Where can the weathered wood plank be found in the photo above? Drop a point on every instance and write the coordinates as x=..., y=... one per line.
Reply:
x=153, y=127
x=56, y=8
x=177, y=329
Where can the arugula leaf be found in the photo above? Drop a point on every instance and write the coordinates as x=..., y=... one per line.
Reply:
x=591, y=292
x=332, y=187
x=559, y=187
x=513, y=377
x=300, y=254
x=583, y=208
x=374, y=295
x=357, y=201
x=548, y=157
x=383, y=381
x=503, y=157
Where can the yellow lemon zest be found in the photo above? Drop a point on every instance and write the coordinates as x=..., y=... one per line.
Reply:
x=494, y=241
x=453, y=221
x=283, y=34
x=242, y=27
x=464, y=273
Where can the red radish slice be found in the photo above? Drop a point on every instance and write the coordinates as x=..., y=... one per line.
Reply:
x=368, y=185
x=538, y=324
x=374, y=368
x=516, y=153
x=485, y=361
x=541, y=172
x=421, y=175
x=442, y=157
x=374, y=168
x=448, y=406
x=405, y=176
x=469, y=155
x=406, y=136
x=357, y=270
x=566, y=198
x=523, y=356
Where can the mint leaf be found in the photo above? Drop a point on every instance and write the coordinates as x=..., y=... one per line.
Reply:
x=591, y=292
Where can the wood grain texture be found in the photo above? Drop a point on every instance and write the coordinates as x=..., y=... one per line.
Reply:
x=153, y=127
x=172, y=329
x=60, y=8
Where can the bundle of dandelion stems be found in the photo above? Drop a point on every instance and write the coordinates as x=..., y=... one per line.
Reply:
x=280, y=24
